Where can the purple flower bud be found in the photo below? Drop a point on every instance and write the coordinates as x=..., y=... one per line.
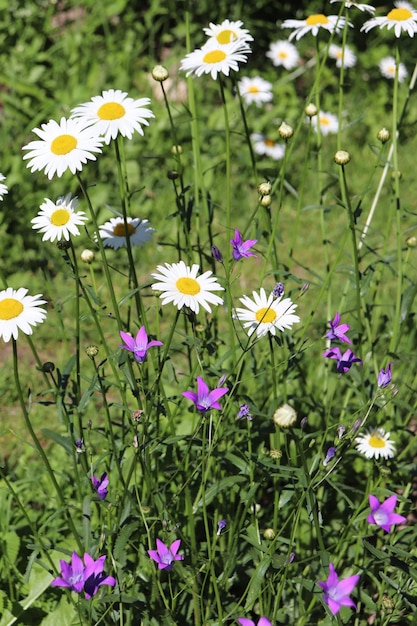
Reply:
x=329, y=455
x=217, y=255
x=278, y=290
x=341, y=431
x=385, y=376
x=220, y=525
x=244, y=411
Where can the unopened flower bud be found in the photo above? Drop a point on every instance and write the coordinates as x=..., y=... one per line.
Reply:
x=87, y=256
x=176, y=149
x=342, y=157
x=266, y=200
x=265, y=188
x=278, y=290
x=159, y=73
x=285, y=131
x=172, y=174
x=285, y=416
x=217, y=255
x=310, y=110
x=92, y=351
x=63, y=244
x=269, y=533
x=341, y=430
x=412, y=242
x=275, y=454
x=383, y=135
x=221, y=524
x=396, y=174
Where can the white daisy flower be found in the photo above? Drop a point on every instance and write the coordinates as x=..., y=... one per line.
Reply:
x=269, y=147
x=401, y=18
x=342, y=54
x=283, y=53
x=214, y=58
x=19, y=311
x=313, y=23
x=356, y=5
x=255, y=90
x=64, y=145
x=387, y=68
x=58, y=220
x=181, y=286
x=228, y=32
x=114, y=112
x=113, y=232
x=265, y=315
x=329, y=124
x=3, y=188
x=376, y=443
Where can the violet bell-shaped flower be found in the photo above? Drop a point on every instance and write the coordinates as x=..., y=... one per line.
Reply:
x=344, y=361
x=385, y=376
x=382, y=513
x=336, y=592
x=139, y=346
x=100, y=485
x=204, y=399
x=337, y=331
x=241, y=248
x=166, y=556
x=87, y=576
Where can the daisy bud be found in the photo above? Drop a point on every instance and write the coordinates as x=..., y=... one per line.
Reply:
x=265, y=189
x=176, y=150
x=285, y=416
x=172, y=175
x=48, y=367
x=269, y=533
x=159, y=73
x=412, y=242
x=285, y=131
x=266, y=200
x=396, y=174
x=342, y=157
x=63, y=245
x=383, y=135
x=92, y=351
x=310, y=110
x=275, y=454
x=87, y=256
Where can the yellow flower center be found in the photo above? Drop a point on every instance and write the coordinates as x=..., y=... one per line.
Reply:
x=120, y=231
x=10, y=308
x=214, y=56
x=63, y=144
x=266, y=316
x=282, y=54
x=269, y=142
x=189, y=286
x=111, y=111
x=375, y=441
x=324, y=121
x=317, y=18
x=339, y=54
x=253, y=89
x=60, y=217
x=226, y=36
x=399, y=15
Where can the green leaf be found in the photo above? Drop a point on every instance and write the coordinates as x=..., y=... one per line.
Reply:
x=64, y=614
x=212, y=492
x=256, y=582
x=122, y=541
x=65, y=442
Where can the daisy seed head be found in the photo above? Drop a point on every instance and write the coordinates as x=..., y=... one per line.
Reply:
x=342, y=157
x=160, y=73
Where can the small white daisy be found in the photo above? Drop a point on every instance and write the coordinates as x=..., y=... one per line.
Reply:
x=329, y=123
x=342, y=54
x=3, y=188
x=64, y=145
x=265, y=315
x=356, y=5
x=181, y=285
x=269, y=147
x=113, y=232
x=376, y=443
x=283, y=53
x=401, y=19
x=228, y=32
x=19, y=311
x=58, y=220
x=313, y=23
x=255, y=90
x=387, y=69
x=114, y=112
x=214, y=58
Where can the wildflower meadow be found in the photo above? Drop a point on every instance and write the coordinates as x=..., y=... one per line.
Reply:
x=208, y=313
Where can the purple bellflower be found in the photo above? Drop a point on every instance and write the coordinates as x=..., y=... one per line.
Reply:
x=382, y=513
x=385, y=376
x=205, y=399
x=337, y=331
x=139, y=346
x=100, y=485
x=244, y=411
x=336, y=592
x=344, y=361
x=87, y=576
x=263, y=621
x=164, y=556
x=242, y=248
